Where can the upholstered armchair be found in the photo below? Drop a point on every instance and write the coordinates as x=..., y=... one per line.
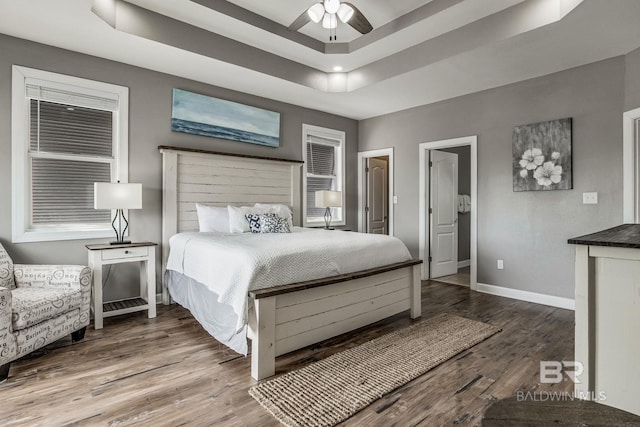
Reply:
x=40, y=304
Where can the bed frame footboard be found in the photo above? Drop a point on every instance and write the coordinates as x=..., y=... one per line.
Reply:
x=289, y=317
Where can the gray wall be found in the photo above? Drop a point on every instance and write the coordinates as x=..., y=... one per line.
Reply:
x=528, y=230
x=149, y=126
x=464, y=187
x=632, y=80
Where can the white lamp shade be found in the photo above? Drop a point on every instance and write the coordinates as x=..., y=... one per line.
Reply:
x=316, y=12
x=331, y=6
x=345, y=12
x=329, y=21
x=117, y=196
x=328, y=199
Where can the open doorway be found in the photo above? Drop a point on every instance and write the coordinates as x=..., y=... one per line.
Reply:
x=440, y=210
x=375, y=191
x=454, y=254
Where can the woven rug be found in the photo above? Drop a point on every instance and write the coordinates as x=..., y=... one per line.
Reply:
x=333, y=389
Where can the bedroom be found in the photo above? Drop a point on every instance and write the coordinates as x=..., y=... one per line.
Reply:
x=595, y=86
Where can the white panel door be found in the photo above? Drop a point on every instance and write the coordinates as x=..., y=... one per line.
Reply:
x=377, y=196
x=444, y=213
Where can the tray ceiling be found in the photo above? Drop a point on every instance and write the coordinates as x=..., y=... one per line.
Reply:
x=419, y=51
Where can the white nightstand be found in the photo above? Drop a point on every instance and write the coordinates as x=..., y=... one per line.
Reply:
x=105, y=254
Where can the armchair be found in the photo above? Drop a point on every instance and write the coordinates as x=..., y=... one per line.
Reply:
x=40, y=304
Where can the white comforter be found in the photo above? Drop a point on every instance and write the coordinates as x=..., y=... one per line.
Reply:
x=230, y=265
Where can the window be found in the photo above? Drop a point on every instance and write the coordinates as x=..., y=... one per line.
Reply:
x=67, y=133
x=324, y=166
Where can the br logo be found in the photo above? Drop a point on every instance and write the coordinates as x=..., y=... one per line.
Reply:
x=553, y=372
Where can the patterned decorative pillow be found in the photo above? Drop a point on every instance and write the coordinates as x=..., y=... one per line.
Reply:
x=254, y=222
x=272, y=223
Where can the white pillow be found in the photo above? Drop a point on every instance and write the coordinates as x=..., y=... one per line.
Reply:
x=212, y=219
x=278, y=209
x=238, y=222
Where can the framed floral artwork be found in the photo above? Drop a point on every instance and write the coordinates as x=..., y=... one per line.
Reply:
x=542, y=156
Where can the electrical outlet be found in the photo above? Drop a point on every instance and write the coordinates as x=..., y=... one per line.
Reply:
x=500, y=264
x=395, y=200
x=590, y=198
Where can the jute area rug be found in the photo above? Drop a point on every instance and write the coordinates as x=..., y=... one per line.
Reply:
x=331, y=390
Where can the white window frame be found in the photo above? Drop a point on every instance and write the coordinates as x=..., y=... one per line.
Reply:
x=340, y=217
x=20, y=163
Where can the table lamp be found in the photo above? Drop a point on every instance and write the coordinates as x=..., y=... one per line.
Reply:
x=328, y=199
x=118, y=196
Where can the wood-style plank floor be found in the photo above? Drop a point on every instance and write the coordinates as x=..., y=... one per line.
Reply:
x=168, y=371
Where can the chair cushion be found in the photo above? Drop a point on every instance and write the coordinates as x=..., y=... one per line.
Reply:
x=6, y=270
x=34, y=305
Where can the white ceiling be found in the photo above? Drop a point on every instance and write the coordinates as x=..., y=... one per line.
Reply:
x=471, y=46
x=377, y=12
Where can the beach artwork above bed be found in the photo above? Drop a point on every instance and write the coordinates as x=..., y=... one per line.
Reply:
x=207, y=116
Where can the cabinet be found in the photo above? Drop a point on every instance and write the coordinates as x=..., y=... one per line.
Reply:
x=607, y=336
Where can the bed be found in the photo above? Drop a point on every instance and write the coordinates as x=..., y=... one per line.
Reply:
x=280, y=317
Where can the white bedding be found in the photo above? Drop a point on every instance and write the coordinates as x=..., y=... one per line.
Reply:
x=230, y=265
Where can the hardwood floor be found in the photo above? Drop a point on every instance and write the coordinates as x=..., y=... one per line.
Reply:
x=462, y=277
x=168, y=371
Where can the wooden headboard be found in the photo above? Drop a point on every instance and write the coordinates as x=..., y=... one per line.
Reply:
x=217, y=179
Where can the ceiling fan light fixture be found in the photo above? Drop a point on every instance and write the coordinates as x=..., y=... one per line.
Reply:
x=345, y=12
x=329, y=21
x=316, y=12
x=331, y=6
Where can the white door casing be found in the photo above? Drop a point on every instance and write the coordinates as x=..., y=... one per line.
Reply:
x=424, y=231
x=362, y=188
x=444, y=213
x=630, y=172
x=377, y=196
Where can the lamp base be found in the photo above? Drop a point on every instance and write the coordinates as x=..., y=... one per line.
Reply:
x=126, y=242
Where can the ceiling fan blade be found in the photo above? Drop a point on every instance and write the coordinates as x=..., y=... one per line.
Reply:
x=300, y=22
x=358, y=21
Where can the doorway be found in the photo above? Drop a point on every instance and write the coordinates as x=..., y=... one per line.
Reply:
x=630, y=171
x=426, y=229
x=443, y=213
x=457, y=272
x=375, y=191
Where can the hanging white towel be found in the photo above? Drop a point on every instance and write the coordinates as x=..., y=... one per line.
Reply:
x=466, y=202
x=460, y=203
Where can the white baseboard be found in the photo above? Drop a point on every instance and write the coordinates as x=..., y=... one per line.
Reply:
x=465, y=263
x=158, y=298
x=553, y=301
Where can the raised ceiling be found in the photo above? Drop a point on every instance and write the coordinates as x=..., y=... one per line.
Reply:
x=419, y=51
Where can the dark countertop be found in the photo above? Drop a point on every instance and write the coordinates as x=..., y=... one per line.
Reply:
x=622, y=236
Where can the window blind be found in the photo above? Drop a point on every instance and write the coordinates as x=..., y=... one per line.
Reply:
x=70, y=148
x=324, y=157
x=62, y=191
x=321, y=170
x=47, y=91
x=321, y=159
x=63, y=128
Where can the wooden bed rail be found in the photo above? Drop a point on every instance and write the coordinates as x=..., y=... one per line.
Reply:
x=293, y=287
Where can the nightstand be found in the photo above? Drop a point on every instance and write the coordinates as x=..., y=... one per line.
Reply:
x=105, y=254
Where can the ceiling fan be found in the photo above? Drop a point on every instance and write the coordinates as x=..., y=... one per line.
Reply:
x=329, y=11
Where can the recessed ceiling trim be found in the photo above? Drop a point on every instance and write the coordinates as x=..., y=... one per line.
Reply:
x=420, y=14
x=509, y=22
x=150, y=25
x=248, y=17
